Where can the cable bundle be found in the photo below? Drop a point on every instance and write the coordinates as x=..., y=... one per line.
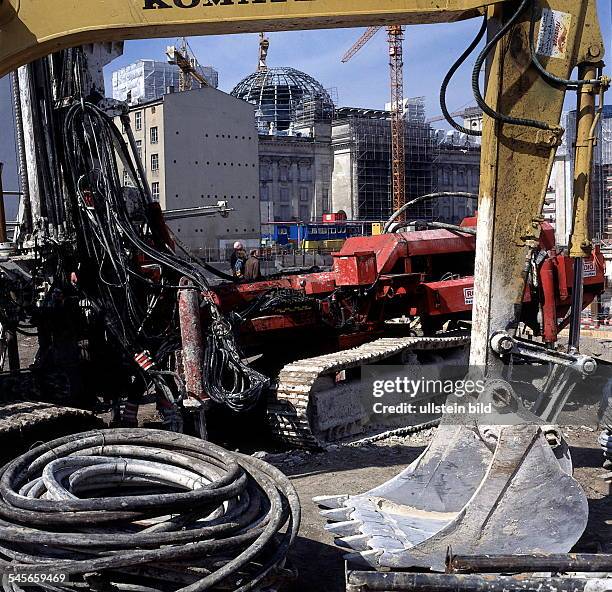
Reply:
x=144, y=510
x=116, y=241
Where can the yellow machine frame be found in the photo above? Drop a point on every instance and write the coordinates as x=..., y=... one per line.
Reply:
x=516, y=160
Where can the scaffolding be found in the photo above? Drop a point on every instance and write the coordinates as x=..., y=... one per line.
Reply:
x=370, y=138
x=147, y=80
x=601, y=183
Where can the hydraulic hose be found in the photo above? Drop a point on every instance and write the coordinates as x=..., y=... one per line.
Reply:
x=145, y=508
x=476, y=73
x=451, y=73
x=443, y=225
x=426, y=197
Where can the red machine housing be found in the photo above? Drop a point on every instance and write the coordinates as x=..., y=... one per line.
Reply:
x=425, y=274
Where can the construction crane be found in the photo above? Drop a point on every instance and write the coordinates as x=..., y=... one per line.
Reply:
x=264, y=46
x=395, y=34
x=187, y=65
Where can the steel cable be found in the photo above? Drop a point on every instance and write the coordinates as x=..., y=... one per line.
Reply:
x=145, y=509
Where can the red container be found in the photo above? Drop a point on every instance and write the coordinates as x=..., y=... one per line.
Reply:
x=356, y=269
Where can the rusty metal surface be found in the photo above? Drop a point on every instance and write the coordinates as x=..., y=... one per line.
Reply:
x=516, y=162
x=191, y=337
x=291, y=408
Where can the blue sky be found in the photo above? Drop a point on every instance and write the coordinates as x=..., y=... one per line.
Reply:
x=363, y=82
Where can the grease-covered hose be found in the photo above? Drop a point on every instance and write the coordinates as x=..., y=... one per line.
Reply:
x=145, y=508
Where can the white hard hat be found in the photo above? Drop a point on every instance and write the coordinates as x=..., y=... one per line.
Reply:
x=238, y=245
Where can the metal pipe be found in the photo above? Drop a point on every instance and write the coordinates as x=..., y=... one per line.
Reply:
x=576, y=308
x=29, y=134
x=536, y=562
x=12, y=349
x=362, y=581
x=3, y=233
x=25, y=210
x=580, y=244
x=193, y=354
x=191, y=335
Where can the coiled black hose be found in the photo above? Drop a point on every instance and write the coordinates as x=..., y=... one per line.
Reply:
x=144, y=509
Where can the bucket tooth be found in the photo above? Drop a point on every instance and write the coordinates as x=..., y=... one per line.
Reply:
x=338, y=514
x=366, y=559
x=477, y=496
x=357, y=542
x=330, y=501
x=343, y=529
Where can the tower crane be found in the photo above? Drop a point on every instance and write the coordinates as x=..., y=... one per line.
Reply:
x=395, y=36
x=187, y=65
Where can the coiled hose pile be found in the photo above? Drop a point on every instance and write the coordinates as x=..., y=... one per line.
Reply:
x=144, y=510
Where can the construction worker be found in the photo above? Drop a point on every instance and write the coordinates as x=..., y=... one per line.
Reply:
x=252, y=271
x=238, y=247
x=239, y=265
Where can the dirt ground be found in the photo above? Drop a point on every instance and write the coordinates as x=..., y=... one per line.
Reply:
x=347, y=469
x=355, y=469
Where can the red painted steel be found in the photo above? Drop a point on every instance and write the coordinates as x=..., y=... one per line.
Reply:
x=191, y=337
x=403, y=268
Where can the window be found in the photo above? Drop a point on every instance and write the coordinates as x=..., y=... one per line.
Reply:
x=154, y=135
x=264, y=193
x=155, y=190
x=139, y=148
x=304, y=194
x=155, y=162
x=285, y=212
x=325, y=199
x=284, y=172
x=304, y=212
x=127, y=180
x=305, y=172
x=284, y=194
x=138, y=120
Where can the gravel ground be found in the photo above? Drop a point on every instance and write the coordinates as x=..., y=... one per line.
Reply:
x=355, y=469
x=350, y=469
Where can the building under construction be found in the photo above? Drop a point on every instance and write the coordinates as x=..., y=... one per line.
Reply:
x=361, y=143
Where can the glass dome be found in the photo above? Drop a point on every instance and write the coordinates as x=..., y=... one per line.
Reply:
x=284, y=96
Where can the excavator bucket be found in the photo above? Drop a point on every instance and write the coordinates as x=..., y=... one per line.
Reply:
x=479, y=490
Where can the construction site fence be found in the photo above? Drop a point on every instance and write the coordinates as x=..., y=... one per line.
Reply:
x=216, y=255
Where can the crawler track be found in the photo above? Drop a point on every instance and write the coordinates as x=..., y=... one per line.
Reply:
x=26, y=420
x=308, y=410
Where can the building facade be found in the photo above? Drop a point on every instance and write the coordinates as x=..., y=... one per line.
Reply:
x=200, y=147
x=457, y=168
x=559, y=195
x=361, y=179
x=294, y=114
x=148, y=80
x=295, y=175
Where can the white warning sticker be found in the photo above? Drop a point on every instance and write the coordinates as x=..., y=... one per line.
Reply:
x=468, y=295
x=554, y=31
x=589, y=269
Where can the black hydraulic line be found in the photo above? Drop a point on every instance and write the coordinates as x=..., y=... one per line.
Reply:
x=480, y=60
x=110, y=237
x=536, y=562
x=451, y=73
x=443, y=225
x=431, y=582
x=542, y=70
x=427, y=197
x=162, y=503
